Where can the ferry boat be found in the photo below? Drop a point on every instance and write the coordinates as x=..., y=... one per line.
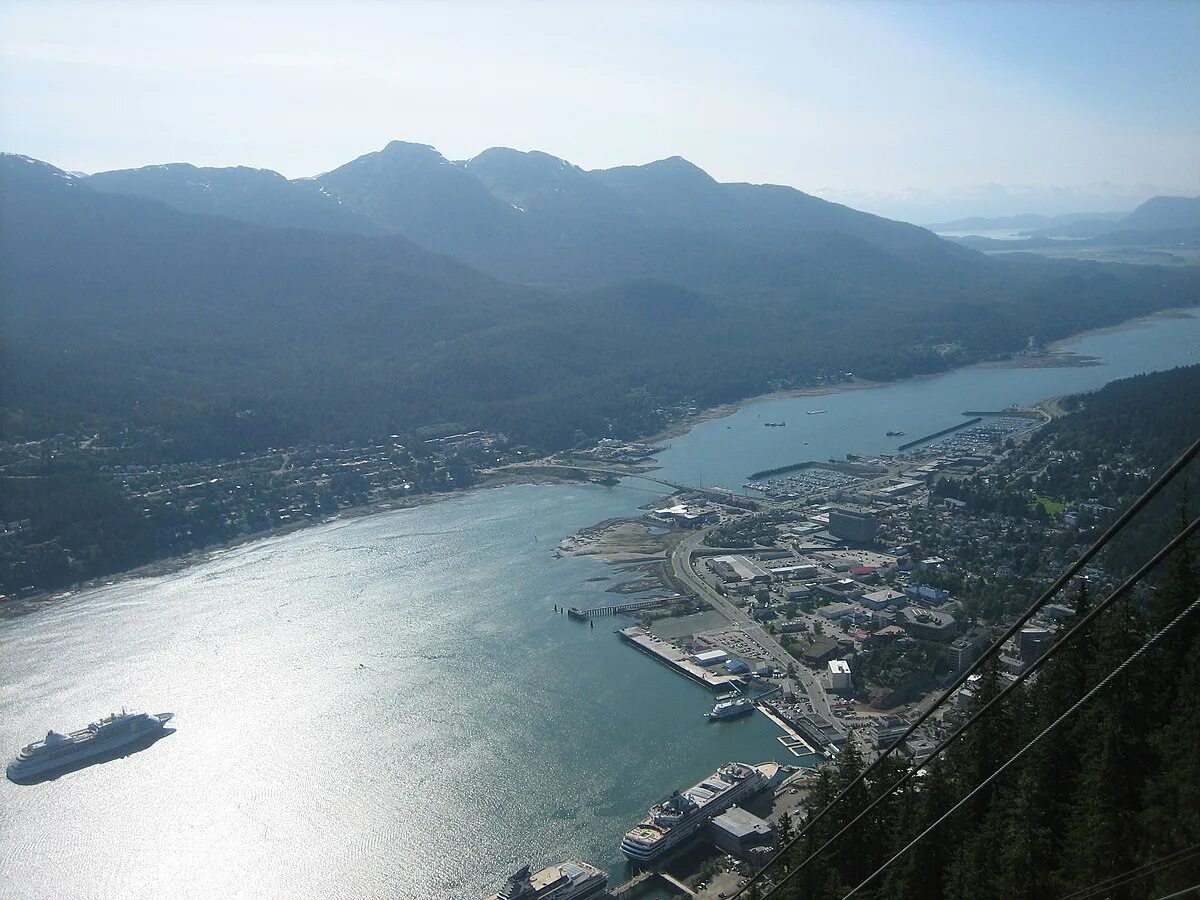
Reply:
x=730, y=709
x=57, y=751
x=680, y=816
x=570, y=880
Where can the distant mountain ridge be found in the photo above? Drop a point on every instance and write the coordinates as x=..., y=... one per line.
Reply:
x=171, y=310
x=532, y=217
x=1158, y=220
x=1022, y=221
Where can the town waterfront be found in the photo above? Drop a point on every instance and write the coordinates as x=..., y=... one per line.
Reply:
x=388, y=706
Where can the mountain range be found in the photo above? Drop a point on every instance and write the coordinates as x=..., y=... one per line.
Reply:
x=233, y=308
x=1159, y=221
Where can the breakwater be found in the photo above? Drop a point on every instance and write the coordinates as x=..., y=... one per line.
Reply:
x=937, y=434
x=847, y=468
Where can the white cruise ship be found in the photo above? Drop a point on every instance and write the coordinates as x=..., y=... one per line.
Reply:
x=57, y=751
x=730, y=709
x=684, y=813
x=570, y=880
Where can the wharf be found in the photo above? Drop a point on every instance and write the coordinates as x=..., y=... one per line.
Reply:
x=674, y=658
x=581, y=615
x=797, y=739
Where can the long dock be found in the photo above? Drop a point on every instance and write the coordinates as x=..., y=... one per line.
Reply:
x=674, y=658
x=582, y=615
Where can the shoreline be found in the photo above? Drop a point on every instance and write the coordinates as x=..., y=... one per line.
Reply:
x=16, y=608
x=1053, y=357
x=504, y=478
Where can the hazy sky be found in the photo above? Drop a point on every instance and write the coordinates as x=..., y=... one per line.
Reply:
x=915, y=110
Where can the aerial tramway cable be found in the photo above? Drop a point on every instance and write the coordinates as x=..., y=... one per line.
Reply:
x=1177, y=541
x=1144, y=870
x=1074, y=569
x=1074, y=708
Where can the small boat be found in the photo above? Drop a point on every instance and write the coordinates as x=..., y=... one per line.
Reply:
x=817, y=412
x=896, y=433
x=774, y=424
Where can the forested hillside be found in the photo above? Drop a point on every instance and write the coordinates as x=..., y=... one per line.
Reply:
x=232, y=336
x=1116, y=788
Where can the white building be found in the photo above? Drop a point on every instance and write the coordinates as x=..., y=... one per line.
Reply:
x=839, y=675
x=710, y=658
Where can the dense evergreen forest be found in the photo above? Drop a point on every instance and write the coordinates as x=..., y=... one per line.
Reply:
x=1117, y=786
x=230, y=336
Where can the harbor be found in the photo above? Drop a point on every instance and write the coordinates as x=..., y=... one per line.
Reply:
x=412, y=660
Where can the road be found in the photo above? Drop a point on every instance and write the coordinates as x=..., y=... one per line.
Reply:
x=681, y=567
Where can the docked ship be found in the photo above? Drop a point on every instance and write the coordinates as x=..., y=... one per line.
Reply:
x=684, y=813
x=730, y=709
x=570, y=880
x=58, y=751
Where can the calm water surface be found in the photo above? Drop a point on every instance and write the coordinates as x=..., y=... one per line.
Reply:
x=388, y=707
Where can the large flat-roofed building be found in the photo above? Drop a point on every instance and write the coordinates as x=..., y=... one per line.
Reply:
x=853, y=523
x=742, y=569
x=928, y=624
x=710, y=657
x=737, y=831
x=820, y=651
x=882, y=599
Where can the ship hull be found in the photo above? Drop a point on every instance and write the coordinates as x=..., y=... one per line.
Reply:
x=642, y=854
x=23, y=771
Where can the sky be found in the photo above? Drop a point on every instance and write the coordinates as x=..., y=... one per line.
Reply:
x=921, y=111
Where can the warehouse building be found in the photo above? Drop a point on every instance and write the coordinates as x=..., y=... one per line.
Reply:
x=737, y=831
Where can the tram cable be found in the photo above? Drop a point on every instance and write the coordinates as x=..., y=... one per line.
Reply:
x=1074, y=708
x=1189, y=890
x=1166, y=550
x=1062, y=581
x=1143, y=871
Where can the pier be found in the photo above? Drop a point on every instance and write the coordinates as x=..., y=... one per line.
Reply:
x=582, y=615
x=674, y=658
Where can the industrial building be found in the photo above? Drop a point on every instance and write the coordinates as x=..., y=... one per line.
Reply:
x=737, y=831
x=710, y=658
x=739, y=568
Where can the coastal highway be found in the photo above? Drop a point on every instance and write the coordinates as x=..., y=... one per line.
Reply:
x=681, y=567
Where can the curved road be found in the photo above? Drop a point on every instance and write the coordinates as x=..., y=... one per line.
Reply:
x=681, y=566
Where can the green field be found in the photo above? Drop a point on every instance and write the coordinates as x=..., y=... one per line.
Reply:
x=1051, y=506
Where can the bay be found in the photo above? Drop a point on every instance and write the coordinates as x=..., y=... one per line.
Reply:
x=388, y=706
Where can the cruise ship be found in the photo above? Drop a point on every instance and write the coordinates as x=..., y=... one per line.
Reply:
x=681, y=815
x=730, y=709
x=570, y=880
x=58, y=751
